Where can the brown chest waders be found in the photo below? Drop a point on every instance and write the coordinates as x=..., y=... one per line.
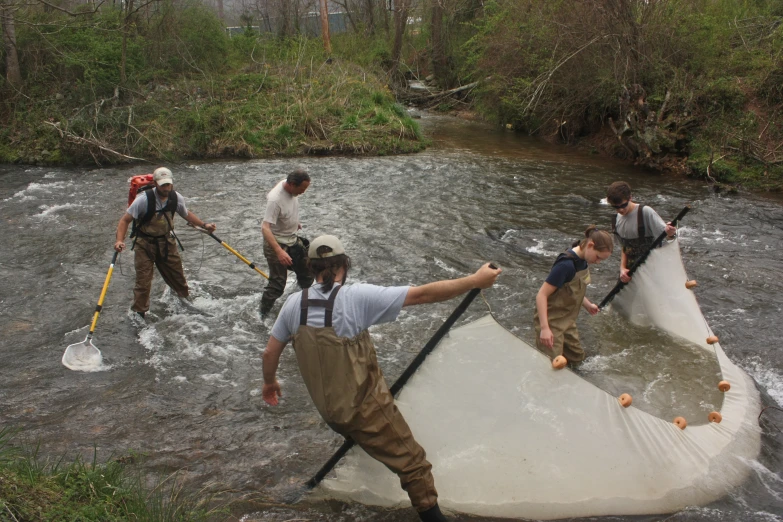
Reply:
x=154, y=247
x=346, y=384
x=562, y=310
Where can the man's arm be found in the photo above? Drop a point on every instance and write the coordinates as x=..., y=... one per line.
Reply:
x=658, y=225
x=445, y=290
x=271, y=359
x=269, y=237
x=194, y=220
x=122, y=231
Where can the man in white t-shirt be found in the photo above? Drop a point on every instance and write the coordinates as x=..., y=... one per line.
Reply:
x=154, y=245
x=284, y=250
x=328, y=325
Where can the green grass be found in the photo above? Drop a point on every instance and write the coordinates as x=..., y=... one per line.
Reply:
x=33, y=488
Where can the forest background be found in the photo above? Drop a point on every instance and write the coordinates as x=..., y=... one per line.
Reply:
x=691, y=86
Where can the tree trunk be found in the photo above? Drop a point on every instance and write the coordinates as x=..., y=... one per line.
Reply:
x=440, y=62
x=12, y=72
x=220, y=10
x=282, y=16
x=126, y=26
x=325, y=28
x=400, y=22
x=385, y=16
x=370, y=16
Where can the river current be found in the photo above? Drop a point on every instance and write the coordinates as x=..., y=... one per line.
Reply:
x=182, y=389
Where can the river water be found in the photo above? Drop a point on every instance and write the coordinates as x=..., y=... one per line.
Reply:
x=183, y=388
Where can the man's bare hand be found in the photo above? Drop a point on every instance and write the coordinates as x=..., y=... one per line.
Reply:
x=486, y=275
x=284, y=258
x=271, y=392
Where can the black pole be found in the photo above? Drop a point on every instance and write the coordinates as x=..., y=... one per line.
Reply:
x=641, y=259
x=401, y=380
x=213, y=236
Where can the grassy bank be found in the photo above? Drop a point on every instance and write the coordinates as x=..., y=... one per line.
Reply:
x=188, y=91
x=33, y=489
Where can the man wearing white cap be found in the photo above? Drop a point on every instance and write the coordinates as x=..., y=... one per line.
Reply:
x=328, y=325
x=152, y=213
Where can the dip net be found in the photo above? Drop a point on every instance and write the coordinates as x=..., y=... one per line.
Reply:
x=509, y=436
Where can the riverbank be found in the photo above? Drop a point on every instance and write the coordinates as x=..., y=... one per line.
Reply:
x=691, y=87
x=283, y=111
x=37, y=488
x=269, y=110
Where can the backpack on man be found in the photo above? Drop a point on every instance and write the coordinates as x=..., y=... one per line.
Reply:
x=144, y=183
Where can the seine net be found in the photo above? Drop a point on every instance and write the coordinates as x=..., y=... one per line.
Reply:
x=509, y=436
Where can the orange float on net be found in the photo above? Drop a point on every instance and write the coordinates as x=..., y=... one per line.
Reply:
x=691, y=284
x=559, y=362
x=680, y=422
x=715, y=417
x=625, y=400
x=724, y=386
x=712, y=339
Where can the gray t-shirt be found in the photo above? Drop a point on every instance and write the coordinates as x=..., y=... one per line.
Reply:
x=139, y=206
x=628, y=227
x=282, y=214
x=356, y=308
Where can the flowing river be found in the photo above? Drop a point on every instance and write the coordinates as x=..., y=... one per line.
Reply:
x=183, y=388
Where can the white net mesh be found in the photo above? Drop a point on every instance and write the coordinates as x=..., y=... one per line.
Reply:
x=509, y=436
x=83, y=357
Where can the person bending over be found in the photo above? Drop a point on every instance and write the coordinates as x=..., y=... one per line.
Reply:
x=563, y=293
x=328, y=326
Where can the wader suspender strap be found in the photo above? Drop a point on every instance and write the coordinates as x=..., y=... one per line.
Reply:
x=324, y=303
x=171, y=230
x=170, y=206
x=641, y=230
x=566, y=255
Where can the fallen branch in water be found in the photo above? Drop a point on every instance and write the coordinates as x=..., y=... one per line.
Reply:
x=431, y=98
x=452, y=91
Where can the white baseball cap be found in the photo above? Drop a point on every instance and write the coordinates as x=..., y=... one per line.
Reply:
x=327, y=241
x=162, y=175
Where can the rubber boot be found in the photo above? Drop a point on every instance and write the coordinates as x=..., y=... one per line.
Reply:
x=266, y=307
x=433, y=514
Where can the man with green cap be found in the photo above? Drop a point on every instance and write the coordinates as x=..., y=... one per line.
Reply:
x=328, y=326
